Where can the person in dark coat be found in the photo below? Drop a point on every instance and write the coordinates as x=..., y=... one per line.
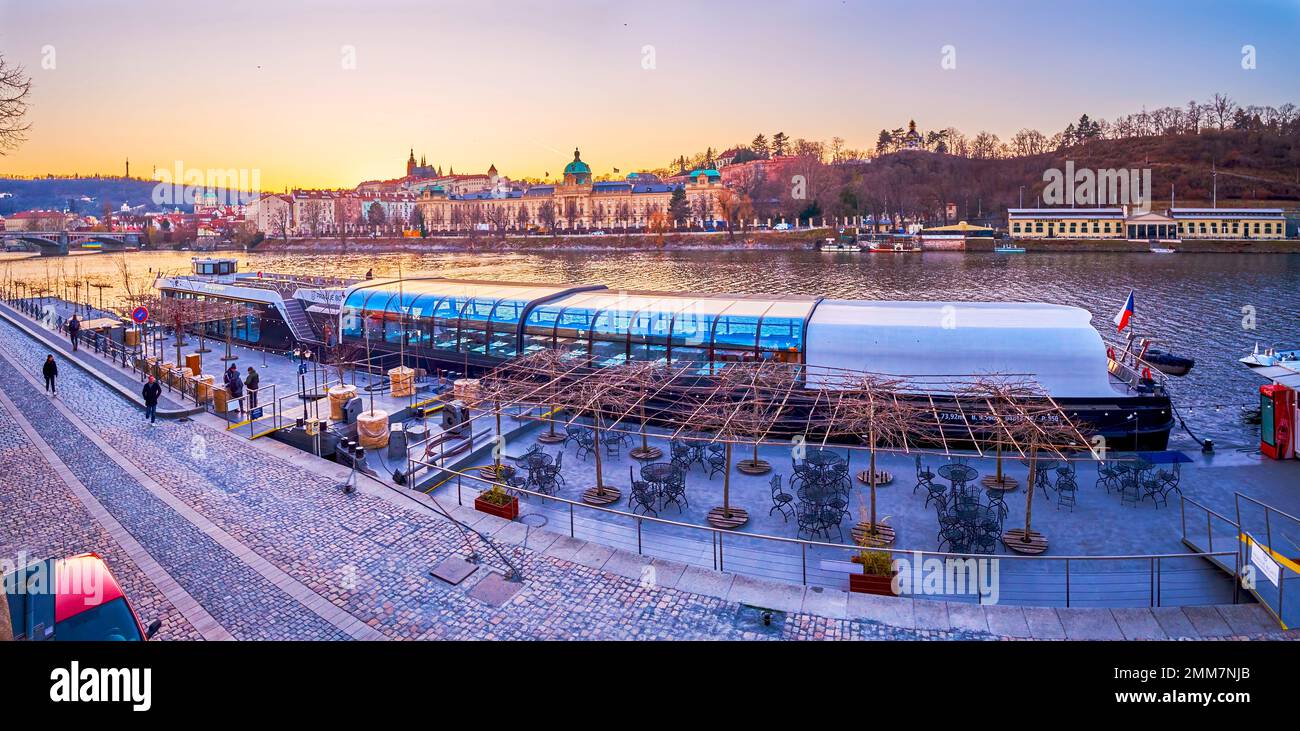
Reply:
x=151, y=393
x=74, y=327
x=251, y=382
x=234, y=385
x=50, y=370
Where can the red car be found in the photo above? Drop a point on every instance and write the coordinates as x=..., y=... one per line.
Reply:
x=74, y=598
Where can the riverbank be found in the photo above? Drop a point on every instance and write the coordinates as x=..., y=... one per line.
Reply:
x=803, y=240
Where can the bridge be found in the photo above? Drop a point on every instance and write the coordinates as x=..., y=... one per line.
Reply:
x=56, y=243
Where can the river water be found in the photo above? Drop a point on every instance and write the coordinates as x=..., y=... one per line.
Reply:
x=1212, y=307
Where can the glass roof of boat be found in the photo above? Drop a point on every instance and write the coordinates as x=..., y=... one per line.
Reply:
x=428, y=297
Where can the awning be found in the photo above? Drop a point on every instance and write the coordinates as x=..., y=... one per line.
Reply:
x=100, y=322
x=1278, y=374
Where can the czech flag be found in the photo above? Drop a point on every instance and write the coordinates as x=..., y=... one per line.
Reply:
x=1124, y=315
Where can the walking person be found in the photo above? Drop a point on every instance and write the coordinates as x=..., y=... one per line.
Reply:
x=234, y=386
x=74, y=327
x=251, y=382
x=50, y=370
x=152, y=391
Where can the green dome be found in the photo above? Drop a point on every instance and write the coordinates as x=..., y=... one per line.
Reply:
x=577, y=167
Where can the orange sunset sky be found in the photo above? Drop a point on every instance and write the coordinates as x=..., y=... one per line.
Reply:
x=244, y=84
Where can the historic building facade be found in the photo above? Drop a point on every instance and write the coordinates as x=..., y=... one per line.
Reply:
x=1175, y=223
x=577, y=203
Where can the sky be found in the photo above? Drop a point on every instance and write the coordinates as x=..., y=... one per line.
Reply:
x=328, y=93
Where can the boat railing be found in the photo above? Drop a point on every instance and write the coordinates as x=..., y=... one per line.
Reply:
x=1135, y=371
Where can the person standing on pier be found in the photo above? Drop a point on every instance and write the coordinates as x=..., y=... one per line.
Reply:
x=251, y=383
x=152, y=391
x=234, y=386
x=50, y=370
x=74, y=327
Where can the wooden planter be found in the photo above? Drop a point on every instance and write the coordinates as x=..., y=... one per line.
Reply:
x=509, y=511
x=868, y=584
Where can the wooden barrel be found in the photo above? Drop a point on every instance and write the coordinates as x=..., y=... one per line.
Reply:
x=203, y=389
x=401, y=381
x=339, y=396
x=166, y=372
x=466, y=390
x=131, y=338
x=372, y=429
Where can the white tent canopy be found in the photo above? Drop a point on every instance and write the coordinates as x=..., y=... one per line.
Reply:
x=1054, y=344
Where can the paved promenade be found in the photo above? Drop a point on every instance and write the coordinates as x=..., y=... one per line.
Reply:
x=225, y=538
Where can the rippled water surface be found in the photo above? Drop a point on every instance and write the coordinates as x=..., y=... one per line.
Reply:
x=1194, y=304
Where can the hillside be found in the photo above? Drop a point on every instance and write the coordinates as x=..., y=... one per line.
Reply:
x=60, y=193
x=1254, y=169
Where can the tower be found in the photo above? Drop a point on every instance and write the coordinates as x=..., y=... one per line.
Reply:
x=128, y=168
x=410, y=162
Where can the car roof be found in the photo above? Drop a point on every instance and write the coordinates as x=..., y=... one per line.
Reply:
x=82, y=582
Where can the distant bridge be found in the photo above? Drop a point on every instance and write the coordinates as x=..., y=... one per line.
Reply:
x=57, y=243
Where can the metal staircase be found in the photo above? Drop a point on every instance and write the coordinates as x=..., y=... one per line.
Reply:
x=299, y=324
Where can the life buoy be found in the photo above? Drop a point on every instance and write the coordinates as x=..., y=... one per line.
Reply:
x=1146, y=373
x=1110, y=352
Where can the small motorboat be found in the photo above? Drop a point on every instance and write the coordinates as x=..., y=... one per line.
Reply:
x=1008, y=249
x=1168, y=363
x=898, y=247
x=1163, y=250
x=831, y=245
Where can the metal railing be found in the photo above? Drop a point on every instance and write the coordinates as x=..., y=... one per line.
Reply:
x=1120, y=580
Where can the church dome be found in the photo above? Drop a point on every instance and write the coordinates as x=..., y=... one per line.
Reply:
x=577, y=167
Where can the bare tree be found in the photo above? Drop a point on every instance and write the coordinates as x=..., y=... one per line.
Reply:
x=15, y=86
x=1221, y=109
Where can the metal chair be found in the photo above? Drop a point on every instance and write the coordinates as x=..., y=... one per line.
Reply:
x=1066, y=492
x=643, y=497
x=717, y=463
x=1108, y=475
x=808, y=516
x=675, y=492
x=1168, y=481
x=923, y=475
x=781, y=500
x=586, y=445
x=559, y=461
x=935, y=490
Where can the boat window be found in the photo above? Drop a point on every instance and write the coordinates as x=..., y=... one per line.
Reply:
x=504, y=319
x=539, y=329
x=781, y=337
x=690, y=335
x=609, y=335
x=573, y=328
x=648, y=332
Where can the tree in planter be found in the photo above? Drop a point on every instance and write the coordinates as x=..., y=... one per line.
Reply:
x=176, y=312
x=873, y=412
x=997, y=399
x=601, y=395
x=1038, y=426
x=721, y=410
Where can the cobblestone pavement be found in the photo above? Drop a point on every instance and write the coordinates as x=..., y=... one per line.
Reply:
x=41, y=518
x=366, y=555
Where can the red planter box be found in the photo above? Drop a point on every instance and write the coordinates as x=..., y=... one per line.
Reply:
x=865, y=584
x=509, y=511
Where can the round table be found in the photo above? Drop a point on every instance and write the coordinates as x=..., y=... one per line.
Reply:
x=536, y=461
x=955, y=472
x=660, y=474
x=822, y=458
